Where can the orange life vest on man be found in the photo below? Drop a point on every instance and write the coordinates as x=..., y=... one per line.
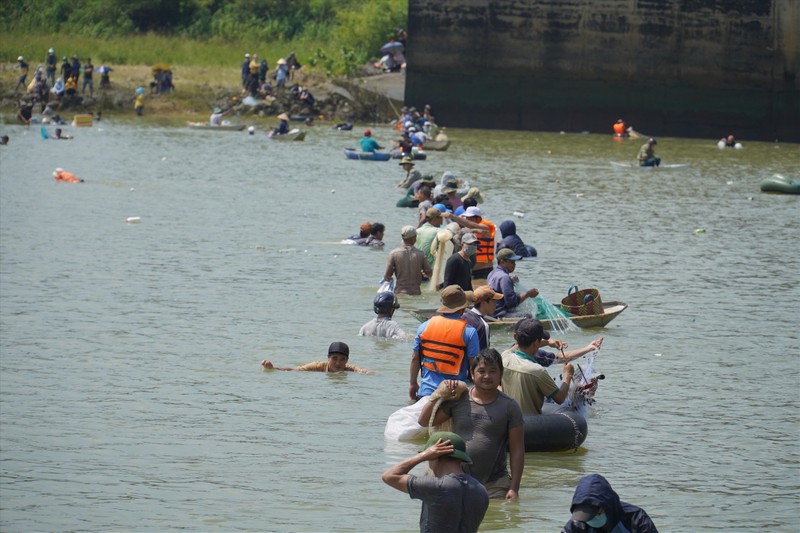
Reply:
x=619, y=128
x=442, y=347
x=485, y=253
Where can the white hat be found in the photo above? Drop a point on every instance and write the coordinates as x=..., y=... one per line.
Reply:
x=251, y=129
x=247, y=55
x=472, y=211
x=51, y=51
x=408, y=124
x=20, y=58
x=408, y=232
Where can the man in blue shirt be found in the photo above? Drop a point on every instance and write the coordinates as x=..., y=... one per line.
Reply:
x=443, y=346
x=368, y=144
x=500, y=280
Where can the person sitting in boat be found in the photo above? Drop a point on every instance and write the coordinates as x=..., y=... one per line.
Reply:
x=490, y=421
x=484, y=300
x=338, y=354
x=501, y=281
x=216, y=117
x=508, y=229
x=404, y=144
x=524, y=378
x=361, y=236
x=647, y=154
x=283, y=127
x=418, y=137
x=375, y=238
x=384, y=305
x=368, y=144
x=620, y=128
x=443, y=346
x=596, y=507
x=451, y=499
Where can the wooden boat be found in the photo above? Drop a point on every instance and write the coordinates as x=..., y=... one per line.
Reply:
x=293, y=135
x=438, y=146
x=352, y=153
x=222, y=127
x=622, y=164
x=611, y=310
x=780, y=184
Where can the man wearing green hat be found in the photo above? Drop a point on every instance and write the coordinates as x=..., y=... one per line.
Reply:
x=451, y=500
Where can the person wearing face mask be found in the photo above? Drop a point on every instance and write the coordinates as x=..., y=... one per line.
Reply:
x=484, y=300
x=458, y=269
x=596, y=507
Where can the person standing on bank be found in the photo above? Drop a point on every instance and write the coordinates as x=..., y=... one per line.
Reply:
x=452, y=501
x=596, y=508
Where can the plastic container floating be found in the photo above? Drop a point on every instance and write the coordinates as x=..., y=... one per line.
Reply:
x=133, y=220
x=82, y=120
x=519, y=214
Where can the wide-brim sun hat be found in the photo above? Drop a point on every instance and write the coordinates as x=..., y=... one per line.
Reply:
x=453, y=300
x=283, y=116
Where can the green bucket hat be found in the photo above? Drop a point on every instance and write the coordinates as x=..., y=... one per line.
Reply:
x=459, y=446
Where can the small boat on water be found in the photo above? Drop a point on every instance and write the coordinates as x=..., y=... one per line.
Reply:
x=674, y=166
x=352, y=153
x=293, y=135
x=438, y=146
x=780, y=184
x=222, y=127
x=611, y=310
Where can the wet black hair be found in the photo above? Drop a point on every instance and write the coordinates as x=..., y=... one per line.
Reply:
x=469, y=202
x=488, y=356
x=377, y=227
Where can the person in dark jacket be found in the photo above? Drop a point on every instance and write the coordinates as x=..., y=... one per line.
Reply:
x=508, y=229
x=597, y=508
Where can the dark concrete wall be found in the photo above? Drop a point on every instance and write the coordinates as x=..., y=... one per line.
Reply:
x=690, y=68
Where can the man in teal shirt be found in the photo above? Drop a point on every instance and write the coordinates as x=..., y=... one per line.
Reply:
x=368, y=144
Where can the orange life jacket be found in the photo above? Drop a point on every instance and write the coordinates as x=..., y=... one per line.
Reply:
x=619, y=128
x=442, y=347
x=68, y=177
x=485, y=253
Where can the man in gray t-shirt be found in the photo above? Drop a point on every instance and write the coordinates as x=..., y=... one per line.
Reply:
x=452, y=501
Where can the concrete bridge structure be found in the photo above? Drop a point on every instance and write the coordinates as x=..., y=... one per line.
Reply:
x=688, y=68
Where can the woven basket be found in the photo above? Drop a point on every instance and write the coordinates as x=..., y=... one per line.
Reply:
x=582, y=302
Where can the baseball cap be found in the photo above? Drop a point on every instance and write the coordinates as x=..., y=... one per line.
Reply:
x=469, y=238
x=432, y=212
x=507, y=253
x=367, y=132
x=453, y=300
x=408, y=232
x=339, y=347
x=473, y=211
x=483, y=293
x=584, y=511
x=531, y=329
x=459, y=445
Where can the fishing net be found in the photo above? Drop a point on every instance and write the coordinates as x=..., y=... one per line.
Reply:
x=541, y=309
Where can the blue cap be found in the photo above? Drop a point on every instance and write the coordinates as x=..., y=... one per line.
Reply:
x=442, y=208
x=459, y=211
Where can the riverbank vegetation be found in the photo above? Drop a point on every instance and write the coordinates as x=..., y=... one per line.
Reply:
x=333, y=37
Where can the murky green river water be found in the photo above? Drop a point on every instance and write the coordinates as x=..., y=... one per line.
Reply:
x=131, y=396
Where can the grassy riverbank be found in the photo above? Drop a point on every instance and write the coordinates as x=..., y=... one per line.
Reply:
x=205, y=73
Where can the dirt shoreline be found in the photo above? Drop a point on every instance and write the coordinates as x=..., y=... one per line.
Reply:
x=373, y=98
